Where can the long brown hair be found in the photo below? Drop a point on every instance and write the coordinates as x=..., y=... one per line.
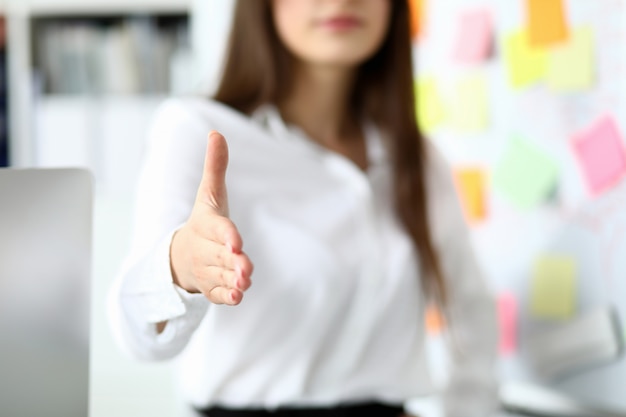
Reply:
x=257, y=71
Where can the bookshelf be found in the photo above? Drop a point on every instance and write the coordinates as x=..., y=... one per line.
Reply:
x=96, y=81
x=112, y=54
x=71, y=60
x=94, y=7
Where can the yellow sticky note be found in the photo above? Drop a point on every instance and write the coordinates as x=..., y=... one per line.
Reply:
x=525, y=64
x=547, y=24
x=429, y=105
x=553, y=292
x=470, y=108
x=470, y=183
x=570, y=65
x=416, y=8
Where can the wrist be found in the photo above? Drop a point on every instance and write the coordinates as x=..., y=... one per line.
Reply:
x=177, y=260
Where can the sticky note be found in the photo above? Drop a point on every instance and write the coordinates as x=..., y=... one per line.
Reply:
x=525, y=64
x=553, y=292
x=570, y=65
x=526, y=175
x=471, y=105
x=601, y=154
x=434, y=319
x=416, y=7
x=547, y=24
x=471, y=187
x=429, y=104
x=475, y=37
x=507, y=318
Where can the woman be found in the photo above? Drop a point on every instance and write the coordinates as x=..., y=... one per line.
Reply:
x=350, y=218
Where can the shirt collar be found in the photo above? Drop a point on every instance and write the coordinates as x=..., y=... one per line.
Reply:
x=268, y=116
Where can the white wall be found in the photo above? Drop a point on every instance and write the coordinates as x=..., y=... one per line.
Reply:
x=210, y=25
x=510, y=239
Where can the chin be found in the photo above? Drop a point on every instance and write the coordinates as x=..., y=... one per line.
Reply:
x=345, y=58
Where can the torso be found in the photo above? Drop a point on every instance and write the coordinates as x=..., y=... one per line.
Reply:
x=335, y=280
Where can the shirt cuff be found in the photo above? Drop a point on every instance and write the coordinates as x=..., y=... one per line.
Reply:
x=155, y=297
x=195, y=308
x=195, y=304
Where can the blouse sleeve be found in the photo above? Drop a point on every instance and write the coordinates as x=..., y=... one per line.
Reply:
x=473, y=332
x=144, y=293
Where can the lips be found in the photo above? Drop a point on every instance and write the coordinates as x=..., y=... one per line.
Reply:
x=341, y=23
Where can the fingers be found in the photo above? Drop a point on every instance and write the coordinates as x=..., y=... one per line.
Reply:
x=225, y=286
x=216, y=228
x=216, y=254
x=216, y=276
x=212, y=189
x=221, y=295
x=218, y=267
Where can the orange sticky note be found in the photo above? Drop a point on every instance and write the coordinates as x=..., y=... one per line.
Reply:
x=507, y=315
x=546, y=23
x=434, y=320
x=416, y=8
x=471, y=189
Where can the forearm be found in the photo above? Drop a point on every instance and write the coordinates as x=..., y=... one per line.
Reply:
x=144, y=296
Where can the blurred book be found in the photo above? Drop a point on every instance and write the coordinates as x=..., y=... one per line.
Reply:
x=108, y=55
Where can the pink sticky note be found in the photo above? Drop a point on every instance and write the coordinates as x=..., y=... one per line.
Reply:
x=601, y=154
x=507, y=314
x=475, y=36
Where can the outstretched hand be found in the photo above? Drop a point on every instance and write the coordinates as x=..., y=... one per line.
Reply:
x=206, y=254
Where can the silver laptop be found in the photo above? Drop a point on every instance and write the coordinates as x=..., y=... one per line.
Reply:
x=45, y=269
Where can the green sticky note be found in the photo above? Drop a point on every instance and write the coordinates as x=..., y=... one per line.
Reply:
x=429, y=105
x=525, y=64
x=553, y=292
x=470, y=108
x=526, y=175
x=570, y=65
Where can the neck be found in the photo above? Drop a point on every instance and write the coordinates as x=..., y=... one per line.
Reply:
x=319, y=103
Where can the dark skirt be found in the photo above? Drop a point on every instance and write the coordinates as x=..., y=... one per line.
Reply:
x=359, y=410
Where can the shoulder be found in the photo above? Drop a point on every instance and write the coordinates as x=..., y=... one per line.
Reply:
x=199, y=115
x=195, y=110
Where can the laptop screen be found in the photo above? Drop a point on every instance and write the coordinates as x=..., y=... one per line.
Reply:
x=45, y=268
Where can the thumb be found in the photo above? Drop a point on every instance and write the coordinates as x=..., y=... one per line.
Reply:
x=212, y=189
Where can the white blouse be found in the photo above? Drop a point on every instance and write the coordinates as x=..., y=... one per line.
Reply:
x=335, y=312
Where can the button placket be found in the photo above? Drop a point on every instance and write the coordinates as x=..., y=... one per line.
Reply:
x=357, y=327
